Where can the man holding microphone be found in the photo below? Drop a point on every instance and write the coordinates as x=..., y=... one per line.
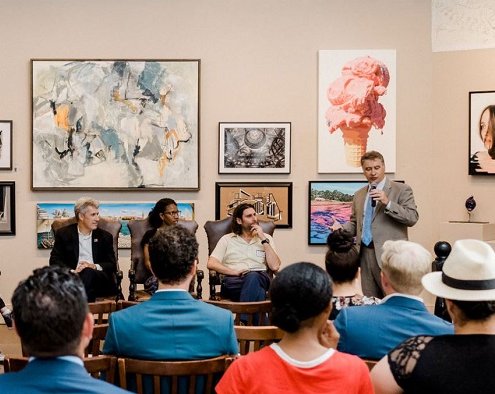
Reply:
x=381, y=211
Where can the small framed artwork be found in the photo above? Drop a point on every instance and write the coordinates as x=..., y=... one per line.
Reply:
x=272, y=201
x=254, y=148
x=7, y=208
x=47, y=212
x=6, y=144
x=116, y=124
x=482, y=133
x=329, y=202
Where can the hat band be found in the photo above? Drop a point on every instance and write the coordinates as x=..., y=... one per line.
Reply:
x=486, y=284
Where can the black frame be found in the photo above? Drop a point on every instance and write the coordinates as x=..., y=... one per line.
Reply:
x=10, y=225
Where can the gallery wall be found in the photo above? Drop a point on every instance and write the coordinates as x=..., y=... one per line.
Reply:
x=258, y=64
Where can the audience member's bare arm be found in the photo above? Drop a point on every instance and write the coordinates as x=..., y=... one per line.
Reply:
x=383, y=380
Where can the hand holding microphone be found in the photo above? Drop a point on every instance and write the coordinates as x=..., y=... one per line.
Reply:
x=377, y=195
x=372, y=188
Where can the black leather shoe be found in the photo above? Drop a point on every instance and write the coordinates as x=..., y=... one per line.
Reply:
x=8, y=319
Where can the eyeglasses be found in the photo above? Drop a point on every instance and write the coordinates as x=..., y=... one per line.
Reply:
x=173, y=213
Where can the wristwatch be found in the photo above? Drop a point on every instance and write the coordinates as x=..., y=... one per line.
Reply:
x=265, y=241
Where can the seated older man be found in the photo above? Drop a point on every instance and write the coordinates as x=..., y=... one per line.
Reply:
x=87, y=250
x=372, y=331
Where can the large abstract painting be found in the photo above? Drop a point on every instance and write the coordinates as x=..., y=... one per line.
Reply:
x=356, y=108
x=115, y=124
x=46, y=212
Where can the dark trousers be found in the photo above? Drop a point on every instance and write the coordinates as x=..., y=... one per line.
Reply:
x=2, y=304
x=247, y=288
x=97, y=284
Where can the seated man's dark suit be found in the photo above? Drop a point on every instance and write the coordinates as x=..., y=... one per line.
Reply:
x=54, y=375
x=65, y=253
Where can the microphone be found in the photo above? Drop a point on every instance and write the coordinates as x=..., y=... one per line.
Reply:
x=373, y=201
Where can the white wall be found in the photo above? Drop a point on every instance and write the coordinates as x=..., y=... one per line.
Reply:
x=258, y=63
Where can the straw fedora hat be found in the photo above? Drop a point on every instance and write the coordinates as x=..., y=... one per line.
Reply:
x=468, y=273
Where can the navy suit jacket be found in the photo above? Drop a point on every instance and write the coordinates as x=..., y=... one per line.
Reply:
x=65, y=251
x=171, y=325
x=54, y=376
x=371, y=331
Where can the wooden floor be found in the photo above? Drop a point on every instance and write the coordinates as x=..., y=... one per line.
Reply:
x=10, y=345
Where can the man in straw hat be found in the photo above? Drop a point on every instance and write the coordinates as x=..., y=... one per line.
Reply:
x=460, y=363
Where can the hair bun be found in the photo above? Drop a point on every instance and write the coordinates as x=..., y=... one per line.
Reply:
x=340, y=241
x=286, y=318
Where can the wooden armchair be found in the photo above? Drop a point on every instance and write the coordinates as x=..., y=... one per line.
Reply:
x=138, y=273
x=199, y=376
x=254, y=338
x=214, y=231
x=111, y=226
x=255, y=312
x=98, y=367
x=95, y=346
x=101, y=310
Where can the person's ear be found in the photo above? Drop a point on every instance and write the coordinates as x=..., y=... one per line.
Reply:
x=87, y=330
x=238, y=221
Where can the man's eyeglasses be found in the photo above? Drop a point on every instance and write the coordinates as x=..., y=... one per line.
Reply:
x=173, y=213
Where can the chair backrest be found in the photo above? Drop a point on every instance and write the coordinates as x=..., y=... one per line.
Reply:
x=202, y=373
x=260, y=309
x=122, y=304
x=101, y=310
x=95, y=345
x=112, y=226
x=99, y=366
x=216, y=229
x=138, y=228
x=254, y=338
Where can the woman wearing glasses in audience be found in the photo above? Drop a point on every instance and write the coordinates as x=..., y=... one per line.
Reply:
x=164, y=213
x=305, y=360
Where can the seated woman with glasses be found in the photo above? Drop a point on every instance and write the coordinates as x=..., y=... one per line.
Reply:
x=163, y=214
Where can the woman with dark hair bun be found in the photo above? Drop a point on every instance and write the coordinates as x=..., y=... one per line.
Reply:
x=342, y=264
x=164, y=213
x=305, y=360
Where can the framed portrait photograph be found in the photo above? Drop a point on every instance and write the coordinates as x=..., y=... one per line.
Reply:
x=271, y=200
x=482, y=133
x=6, y=144
x=254, y=148
x=115, y=124
x=7, y=208
x=329, y=202
x=47, y=212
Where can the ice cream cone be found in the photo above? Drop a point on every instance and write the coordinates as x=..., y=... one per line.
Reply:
x=355, y=143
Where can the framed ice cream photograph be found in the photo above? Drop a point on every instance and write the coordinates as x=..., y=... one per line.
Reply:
x=356, y=108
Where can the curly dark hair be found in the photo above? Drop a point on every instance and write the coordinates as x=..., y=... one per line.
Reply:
x=49, y=310
x=299, y=292
x=160, y=206
x=172, y=251
x=342, y=257
x=476, y=310
x=238, y=212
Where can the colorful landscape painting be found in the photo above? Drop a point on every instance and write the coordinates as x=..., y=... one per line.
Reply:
x=46, y=212
x=329, y=202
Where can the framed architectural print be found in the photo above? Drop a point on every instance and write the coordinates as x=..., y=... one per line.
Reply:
x=254, y=148
x=272, y=201
x=329, y=202
x=482, y=133
x=7, y=208
x=47, y=212
x=6, y=144
x=115, y=124
x=356, y=108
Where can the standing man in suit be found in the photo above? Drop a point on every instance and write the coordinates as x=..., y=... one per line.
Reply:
x=55, y=326
x=381, y=211
x=87, y=250
x=172, y=325
x=371, y=331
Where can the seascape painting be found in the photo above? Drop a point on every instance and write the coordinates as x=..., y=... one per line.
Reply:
x=115, y=124
x=329, y=202
x=46, y=212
